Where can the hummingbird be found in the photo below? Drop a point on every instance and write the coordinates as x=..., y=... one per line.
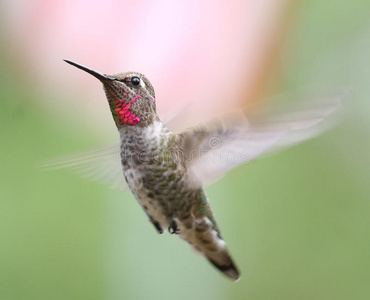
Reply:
x=166, y=171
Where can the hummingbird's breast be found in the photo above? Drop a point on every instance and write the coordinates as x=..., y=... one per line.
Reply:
x=154, y=170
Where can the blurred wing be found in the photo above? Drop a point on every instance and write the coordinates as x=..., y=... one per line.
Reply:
x=212, y=149
x=101, y=164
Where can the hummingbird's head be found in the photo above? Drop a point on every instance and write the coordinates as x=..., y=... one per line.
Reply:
x=130, y=96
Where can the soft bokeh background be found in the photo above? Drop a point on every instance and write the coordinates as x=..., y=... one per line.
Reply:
x=297, y=223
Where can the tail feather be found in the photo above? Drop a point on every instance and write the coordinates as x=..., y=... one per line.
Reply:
x=204, y=238
x=228, y=268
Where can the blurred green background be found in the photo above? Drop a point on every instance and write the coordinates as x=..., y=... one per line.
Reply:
x=296, y=223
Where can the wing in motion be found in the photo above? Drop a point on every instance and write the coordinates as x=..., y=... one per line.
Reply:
x=213, y=149
x=101, y=164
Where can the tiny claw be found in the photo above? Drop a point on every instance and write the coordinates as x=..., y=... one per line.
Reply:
x=173, y=229
x=156, y=225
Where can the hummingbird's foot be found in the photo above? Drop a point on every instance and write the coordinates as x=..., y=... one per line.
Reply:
x=173, y=229
x=157, y=225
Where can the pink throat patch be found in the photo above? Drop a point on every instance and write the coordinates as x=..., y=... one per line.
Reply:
x=124, y=115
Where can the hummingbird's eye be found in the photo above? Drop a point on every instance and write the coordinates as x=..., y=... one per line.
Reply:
x=135, y=81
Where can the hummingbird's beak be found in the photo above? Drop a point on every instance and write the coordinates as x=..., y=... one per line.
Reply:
x=96, y=74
